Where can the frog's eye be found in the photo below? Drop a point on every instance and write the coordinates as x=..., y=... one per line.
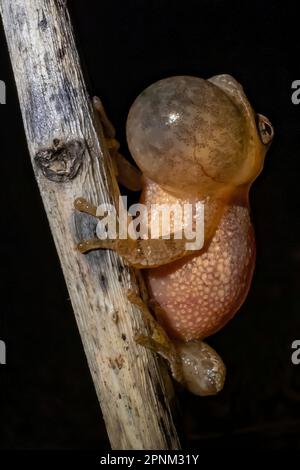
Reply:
x=265, y=129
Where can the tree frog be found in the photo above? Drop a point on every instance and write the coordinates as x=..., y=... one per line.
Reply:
x=192, y=140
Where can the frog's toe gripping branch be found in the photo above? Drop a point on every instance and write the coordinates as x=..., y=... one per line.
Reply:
x=82, y=205
x=84, y=246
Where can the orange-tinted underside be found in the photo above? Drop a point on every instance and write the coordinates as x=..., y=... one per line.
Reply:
x=200, y=293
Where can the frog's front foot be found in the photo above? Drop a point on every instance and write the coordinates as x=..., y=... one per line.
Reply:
x=139, y=253
x=82, y=205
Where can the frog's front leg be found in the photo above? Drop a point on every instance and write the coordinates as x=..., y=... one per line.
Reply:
x=193, y=364
x=126, y=174
x=140, y=253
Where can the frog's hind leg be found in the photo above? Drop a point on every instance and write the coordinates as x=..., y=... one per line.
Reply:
x=194, y=364
x=157, y=340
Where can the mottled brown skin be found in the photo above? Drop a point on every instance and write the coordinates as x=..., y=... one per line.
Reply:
x=194, y=140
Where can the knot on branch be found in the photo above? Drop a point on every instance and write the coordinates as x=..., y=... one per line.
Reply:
x=62, y=161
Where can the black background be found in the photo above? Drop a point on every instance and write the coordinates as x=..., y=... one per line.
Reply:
x=47, y=396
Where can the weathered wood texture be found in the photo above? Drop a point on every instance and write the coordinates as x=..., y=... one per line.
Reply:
x=68, y=162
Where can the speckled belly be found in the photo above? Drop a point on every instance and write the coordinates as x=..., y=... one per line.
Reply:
x=199, y=294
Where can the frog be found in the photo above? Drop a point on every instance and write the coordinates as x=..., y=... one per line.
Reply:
x=194, y=141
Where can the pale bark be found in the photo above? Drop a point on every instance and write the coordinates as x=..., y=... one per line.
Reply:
x=68, y=162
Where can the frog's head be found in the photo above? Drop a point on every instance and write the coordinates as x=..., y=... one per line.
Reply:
x=197, y=137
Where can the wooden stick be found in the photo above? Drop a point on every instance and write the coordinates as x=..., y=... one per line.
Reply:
x=69, y=162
